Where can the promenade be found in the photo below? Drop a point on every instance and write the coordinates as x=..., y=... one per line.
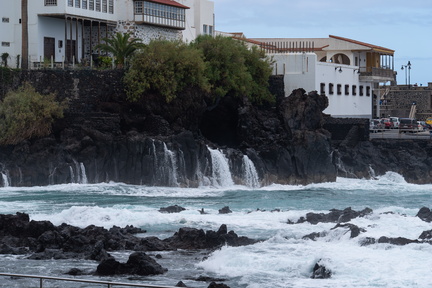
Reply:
x=394, y=134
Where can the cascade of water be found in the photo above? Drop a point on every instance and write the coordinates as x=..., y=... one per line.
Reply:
x=221, y=174
x=72, y=174
x=250, y=173
x=169, y=166
x=83, y=174
x=78, y=173
x=5, y=180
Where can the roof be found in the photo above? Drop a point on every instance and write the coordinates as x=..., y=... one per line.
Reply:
x=169, y=3
x=374, y=47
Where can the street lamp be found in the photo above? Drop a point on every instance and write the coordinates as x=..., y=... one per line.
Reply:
x=407, y=70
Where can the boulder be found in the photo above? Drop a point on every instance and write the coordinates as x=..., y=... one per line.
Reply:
x=138, y=264
x=320, y=272
x=425, y=214
x=172, y=209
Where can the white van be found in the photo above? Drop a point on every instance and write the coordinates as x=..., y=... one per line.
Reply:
x=395, y=121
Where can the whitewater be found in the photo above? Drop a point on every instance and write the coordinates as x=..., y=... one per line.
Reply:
x=281, y=259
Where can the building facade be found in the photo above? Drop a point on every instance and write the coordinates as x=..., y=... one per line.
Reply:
x=66, y=31
x=349, y=72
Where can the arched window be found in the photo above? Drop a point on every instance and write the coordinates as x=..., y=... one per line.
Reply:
x=341, y=59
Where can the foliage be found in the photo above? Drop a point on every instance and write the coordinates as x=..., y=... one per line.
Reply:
x=234, y=68
x=219, y=65
x=24, y=114
x=166, y=67
x=121, y=46
x=5, y=56
x=105, y=62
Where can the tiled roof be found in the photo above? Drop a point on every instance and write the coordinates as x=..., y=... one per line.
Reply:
x=169, y=3
x=374, y=47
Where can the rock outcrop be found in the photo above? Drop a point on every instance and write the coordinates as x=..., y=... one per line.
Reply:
x=156, y=143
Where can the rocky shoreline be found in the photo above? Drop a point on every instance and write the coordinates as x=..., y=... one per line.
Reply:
x=39, y=240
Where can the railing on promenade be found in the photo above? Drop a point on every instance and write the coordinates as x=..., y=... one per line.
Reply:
x=102, y=283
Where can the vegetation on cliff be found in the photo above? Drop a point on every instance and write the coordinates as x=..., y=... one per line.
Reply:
x=121, y=46
x=216, y=65
x=24, y=114
x=165, y=67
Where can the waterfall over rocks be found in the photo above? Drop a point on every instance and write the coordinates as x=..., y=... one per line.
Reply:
x=250, y=174
x=221, y=174
x=5, y=180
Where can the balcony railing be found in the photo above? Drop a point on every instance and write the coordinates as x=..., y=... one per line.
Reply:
x=377, y=72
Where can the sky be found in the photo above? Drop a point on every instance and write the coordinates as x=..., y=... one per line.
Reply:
x=401, y=25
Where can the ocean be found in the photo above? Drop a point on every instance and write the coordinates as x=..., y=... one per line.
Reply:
x=281, y=259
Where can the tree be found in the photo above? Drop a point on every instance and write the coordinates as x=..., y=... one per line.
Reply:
x=24, y=34
x=234, y=68
x=167, y=68
x=121, y=46
x=24, y=114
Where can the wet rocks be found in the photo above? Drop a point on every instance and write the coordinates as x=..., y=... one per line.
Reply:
x=138, y=264
x=172, y=209
x=320, y=272
x=335, y=215
x=425, y=214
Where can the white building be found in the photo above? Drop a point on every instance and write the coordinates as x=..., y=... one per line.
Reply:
x=68, y=30
x=347, y=71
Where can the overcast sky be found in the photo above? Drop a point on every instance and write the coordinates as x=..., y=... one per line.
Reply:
x=401, y=25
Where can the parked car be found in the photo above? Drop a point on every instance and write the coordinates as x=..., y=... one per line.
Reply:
x=376, y=125
x=387, y=123
x=421, y=126
x=408, y=125
x=395, y=121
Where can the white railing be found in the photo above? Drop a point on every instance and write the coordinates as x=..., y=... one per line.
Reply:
x=105, y=283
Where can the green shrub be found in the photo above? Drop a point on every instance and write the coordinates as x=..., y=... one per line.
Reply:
x=24, y=114
x=234, y=68
x=165, y=67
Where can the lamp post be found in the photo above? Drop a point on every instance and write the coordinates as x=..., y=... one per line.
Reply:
x=407, y=69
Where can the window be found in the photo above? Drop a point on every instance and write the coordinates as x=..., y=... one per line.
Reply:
x=138, y=7
x=322, y=88
x=210, y=30
x=91, y=4
x=347, y=89
x=5, y=20
x=368, y=91
x=354, y=90
x=111, y=6
x=50, y=2
x=205, y=29
x=98, y=5
x=70, y=3
x=5, y=44
x=339, y=89
x=84, y=4
x=331, y=92
x=104, y=6
x=361, y=90
x=77, y=3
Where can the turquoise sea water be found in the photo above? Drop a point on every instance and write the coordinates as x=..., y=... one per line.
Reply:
x=281, y=259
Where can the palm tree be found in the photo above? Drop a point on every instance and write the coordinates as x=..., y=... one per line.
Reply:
x=24, y=34
x=121, y=46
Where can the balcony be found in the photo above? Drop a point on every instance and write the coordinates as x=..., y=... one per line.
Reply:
x=376, y=74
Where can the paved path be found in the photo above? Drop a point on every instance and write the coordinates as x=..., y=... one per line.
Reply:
x=394, y=134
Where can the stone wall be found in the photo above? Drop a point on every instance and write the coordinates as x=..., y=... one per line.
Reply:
x=348, y=129
x=399, y=99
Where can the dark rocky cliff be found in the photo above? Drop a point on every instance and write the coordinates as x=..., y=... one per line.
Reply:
x=103, y=138
x=186, y=142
